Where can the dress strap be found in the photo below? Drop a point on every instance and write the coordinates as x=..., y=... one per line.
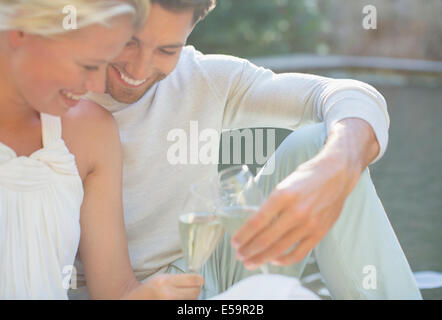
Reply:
x=51, y=128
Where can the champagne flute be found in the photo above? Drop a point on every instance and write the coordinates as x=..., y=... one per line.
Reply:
x=200, y=230
x=238, y=198
x=200, y=233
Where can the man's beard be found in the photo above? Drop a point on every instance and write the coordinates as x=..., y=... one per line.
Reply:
x=131, y=95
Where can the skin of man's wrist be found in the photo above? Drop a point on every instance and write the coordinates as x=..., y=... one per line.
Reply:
x=356, y=142
x=350, y=148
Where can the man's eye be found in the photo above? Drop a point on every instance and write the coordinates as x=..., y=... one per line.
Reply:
x=91, y=68
x=170, y=53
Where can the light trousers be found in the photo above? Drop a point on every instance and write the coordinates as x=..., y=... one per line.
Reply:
x=359, y=258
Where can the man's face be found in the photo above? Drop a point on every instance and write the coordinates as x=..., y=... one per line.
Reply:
x=151, y=55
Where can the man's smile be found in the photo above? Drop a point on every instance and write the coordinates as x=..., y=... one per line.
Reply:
x=126, y=79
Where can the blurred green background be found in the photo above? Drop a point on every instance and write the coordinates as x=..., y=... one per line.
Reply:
x=251, y=28
x=409, y=177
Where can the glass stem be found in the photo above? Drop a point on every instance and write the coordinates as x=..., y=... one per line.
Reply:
x=264, y=269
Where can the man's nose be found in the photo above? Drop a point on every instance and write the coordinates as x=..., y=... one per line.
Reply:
x=96, y=82
x=139, y=69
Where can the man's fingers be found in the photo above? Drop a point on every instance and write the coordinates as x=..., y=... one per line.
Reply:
x=278, y=249
x=299, y=253
x=259, y=221
x=269, y=236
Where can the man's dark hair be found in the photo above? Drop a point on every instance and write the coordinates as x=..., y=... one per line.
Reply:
x=201, y=8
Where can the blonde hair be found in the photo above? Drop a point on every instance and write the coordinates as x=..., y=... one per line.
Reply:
x=45, y=17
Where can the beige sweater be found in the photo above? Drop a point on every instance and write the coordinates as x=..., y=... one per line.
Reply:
x=219, y=92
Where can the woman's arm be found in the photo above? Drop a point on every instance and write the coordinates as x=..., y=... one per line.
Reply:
x=103, y=245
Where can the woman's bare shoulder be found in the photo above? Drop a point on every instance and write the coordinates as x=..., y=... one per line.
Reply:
x=87, y=113
x=91, y=134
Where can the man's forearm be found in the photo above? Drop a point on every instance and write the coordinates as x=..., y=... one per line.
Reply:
x=351, y=146
x=355, y=141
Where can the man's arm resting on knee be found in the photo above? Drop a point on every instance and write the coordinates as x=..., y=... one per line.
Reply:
x=353, y=143
x=306, y=204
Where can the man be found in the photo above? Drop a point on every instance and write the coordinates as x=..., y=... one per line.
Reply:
x=320, y=197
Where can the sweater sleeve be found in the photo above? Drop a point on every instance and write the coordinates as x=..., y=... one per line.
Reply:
x=259, y=97
x=253, y=96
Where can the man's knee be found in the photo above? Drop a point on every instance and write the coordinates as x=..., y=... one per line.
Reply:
x=306, y=141
x=298, y=147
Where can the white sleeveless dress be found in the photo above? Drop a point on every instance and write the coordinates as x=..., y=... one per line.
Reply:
x=40, y=200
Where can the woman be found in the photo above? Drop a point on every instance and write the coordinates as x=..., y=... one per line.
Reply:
x=60, y=158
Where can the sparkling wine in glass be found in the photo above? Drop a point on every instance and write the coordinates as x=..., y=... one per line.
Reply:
x=238, y=198
x=200, y=234
x=199, y=227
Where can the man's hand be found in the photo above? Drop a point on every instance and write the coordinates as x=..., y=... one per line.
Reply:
x=168, y=287
x=305, y=205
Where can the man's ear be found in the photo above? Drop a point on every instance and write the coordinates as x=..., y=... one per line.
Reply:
x=16, y=38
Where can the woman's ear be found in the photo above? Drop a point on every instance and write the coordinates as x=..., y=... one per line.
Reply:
x=16, y=38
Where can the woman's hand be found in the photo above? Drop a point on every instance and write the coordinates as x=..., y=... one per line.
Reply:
x=168, y=287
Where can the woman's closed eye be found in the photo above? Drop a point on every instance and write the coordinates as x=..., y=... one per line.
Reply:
x=132, y=44
x=91, y=68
